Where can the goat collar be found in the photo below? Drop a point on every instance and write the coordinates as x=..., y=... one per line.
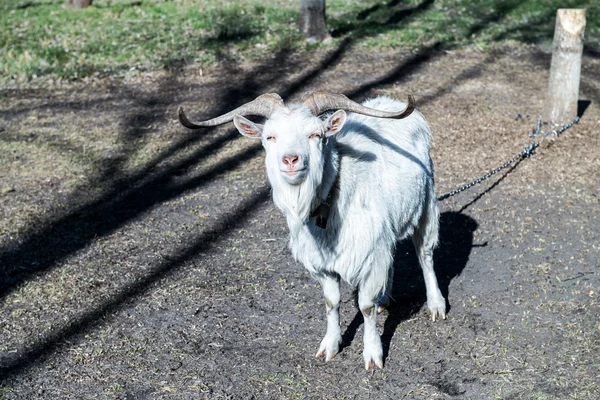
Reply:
x=322, y=211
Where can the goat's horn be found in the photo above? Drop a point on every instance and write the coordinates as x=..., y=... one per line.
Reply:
x=321, y=101
x=264, y=106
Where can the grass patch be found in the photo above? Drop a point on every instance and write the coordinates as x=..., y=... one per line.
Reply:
x=41, y=38
x=415, y=23
x=110, y=37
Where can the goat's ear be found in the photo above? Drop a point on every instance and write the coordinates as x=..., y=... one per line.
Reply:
x=247, y=127
x=335, y=122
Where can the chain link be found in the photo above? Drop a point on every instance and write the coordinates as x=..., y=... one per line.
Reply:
x=527, y=152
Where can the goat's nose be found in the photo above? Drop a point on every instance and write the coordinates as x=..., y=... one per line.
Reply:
x=291, y=160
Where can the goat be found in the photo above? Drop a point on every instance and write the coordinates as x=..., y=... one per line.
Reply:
x=350, y=186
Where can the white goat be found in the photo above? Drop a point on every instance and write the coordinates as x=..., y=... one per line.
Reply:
x=350, y=186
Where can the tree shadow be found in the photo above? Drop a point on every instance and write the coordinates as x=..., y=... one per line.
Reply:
x=29, y=4
x=364, y=14
x=16, y=362
x=591, y=51
x=127, y=194
x=428, y=53
x=364, y=26
x=408, y=291
x=539, y=28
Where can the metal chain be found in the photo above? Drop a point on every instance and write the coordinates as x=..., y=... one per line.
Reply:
x=527, y=152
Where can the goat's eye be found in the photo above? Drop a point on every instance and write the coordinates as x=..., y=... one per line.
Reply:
x=314, y=135
x=271, y=138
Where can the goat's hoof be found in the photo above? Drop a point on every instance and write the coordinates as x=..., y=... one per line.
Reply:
x=437, y=307
x=328, y=356
x=373, y=354
x=371, y=363
x=329, y=348
x=438, y=314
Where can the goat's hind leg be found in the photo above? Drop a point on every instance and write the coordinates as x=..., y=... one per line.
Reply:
x=425, y=239
x=330, y=345
x=384, y=303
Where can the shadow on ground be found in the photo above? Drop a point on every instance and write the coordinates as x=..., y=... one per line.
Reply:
x=408, y=293
x=127, y=195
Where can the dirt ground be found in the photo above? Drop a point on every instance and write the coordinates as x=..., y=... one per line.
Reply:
x=143, y=261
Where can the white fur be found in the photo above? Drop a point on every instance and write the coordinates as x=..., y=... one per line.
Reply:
x=380, y=176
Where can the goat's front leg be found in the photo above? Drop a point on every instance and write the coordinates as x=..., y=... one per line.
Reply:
x=373, y=350
x=330, y=345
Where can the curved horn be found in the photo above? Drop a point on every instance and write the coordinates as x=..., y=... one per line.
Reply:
x=264, y=106
x=321, y=101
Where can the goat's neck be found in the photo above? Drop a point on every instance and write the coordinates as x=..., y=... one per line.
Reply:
x=330, y=174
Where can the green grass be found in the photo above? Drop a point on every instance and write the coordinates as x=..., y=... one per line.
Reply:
x=38, y=38
x=451, y=23
x=113, y=36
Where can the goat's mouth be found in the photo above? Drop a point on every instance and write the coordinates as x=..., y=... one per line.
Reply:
x=294, y=176
x=293, y=172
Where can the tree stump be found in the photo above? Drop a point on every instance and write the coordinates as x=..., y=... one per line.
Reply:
x=313, y=21
x=565, y=69
x=76, y=4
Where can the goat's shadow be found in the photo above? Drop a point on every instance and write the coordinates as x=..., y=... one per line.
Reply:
x=408, y=291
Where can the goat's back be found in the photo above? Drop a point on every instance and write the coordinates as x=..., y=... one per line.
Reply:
x=385, y=167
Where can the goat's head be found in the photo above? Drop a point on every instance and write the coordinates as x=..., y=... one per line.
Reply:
x=295, y=137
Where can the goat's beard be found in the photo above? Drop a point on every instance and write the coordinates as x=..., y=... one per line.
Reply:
x=296, y=201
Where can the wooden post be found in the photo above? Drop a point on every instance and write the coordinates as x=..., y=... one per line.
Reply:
x=77, y=4
x=313, y=21
x=565, y=69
